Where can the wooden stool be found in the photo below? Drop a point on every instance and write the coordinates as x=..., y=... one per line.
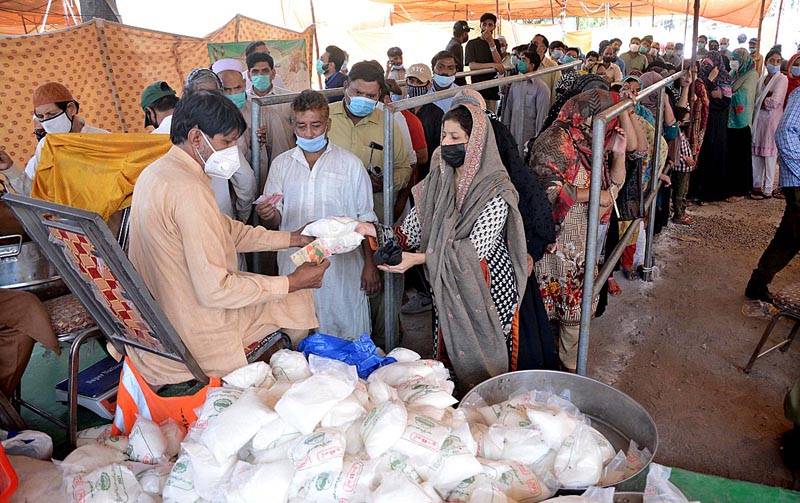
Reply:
x=788, y=303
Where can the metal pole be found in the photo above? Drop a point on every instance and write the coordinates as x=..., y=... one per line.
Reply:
x=46, y=13
x=590, y=262
x=255, y=162
x=389, y=306
x=695, y=30
x=760, y=24
x=316, y=38
x=778, y=24
x=647, y=269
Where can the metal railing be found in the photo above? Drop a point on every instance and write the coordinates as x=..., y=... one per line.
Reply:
x=390, y=309
x=591, y=284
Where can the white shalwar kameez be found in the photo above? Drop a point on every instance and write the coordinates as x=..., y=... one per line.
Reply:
x=338, y=185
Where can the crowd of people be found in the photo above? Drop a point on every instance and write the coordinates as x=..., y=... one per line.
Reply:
x=491, y=189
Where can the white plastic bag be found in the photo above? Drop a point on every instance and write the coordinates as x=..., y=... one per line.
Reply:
x=591, y=495
x=344, y=413
x=637, y=459
x=519, y=482
x=307, y=401
x=108, y=484
x=257, y=374
x=207, y=473
x=102, y=435
x=422, y=442
x=154, y=478
x=383, y=427
x=615, y=470
x=397, y=488
x=606, y=449
x=30, y=443
x=455, y=463
x=352, y=484
x=659, y=489
x=478, y=489
x=437, y=395
x=579, y=461
x=90, y=457
x=505, y=414
x=174, y=434
x=265, y=483
x=217, y=400
x=288, y=365
x=380, y=392
x=315, y=453
x=555, y=426
x=403, y=355
x=235, y=426
x=146, y=442
x=330, y=227
x=272, y=442
x=399, y=373
x=179, y=487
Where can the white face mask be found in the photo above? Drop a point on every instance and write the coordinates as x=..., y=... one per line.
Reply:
x=734, y=65
x=222, y=163
x=58, y=124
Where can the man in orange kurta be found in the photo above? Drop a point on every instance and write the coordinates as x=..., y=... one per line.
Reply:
x=185, y=250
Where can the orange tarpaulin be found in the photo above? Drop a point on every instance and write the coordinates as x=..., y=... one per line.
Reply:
x=106, y=66
x=738, y=12
x=18, y=17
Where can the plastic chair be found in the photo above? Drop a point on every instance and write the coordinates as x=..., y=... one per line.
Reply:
x=788, y=303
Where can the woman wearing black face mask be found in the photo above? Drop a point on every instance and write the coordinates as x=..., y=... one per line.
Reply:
x=468, y=234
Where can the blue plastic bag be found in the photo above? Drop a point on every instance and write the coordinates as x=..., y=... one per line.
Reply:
x=361, y=353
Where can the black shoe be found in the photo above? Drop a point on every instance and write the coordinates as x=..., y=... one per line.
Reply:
x=754, y=292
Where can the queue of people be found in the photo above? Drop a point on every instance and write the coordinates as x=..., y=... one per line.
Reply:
x=492, y=209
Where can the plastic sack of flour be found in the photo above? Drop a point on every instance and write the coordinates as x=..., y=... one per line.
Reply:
x=399, y=373
x=30, y=443
x=403, y=355
x=257, y=374
x=455, y=463
x=236, y=425
x=606, y=449
x=146, y=442
x=108, y=484
x=614, y=471
x=208, y=474
x=330, y=227
x=380, y=392
x=354, y=444
x=179, y=487
x=272, y=442
x=154, y=479
x=555, y=426
x=102, y=435
x=90, y=457
x=352, y=483
x=174, y=434
x=288, y=365
x=519, y=482
x=397, y=488
x=579, y=461
x=505, y=414
x=317, y=452
x=383, y=427
x=344, y=413
x=265, y=483
x=523, y=445
x=422, y=442
x=217, y=400
x=306, y=402
x=477, y=489
x=438, y=395
x=637, y=459
x=659, y=489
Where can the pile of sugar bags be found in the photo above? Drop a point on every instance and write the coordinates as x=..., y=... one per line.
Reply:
x=310, y=430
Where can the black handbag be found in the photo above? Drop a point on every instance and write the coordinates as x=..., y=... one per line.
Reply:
x=630, y=199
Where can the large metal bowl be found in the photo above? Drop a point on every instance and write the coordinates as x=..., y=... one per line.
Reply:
x=23, y=266
x=613, y=413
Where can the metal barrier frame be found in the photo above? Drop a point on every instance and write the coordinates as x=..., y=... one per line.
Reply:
x=390, y=309
x=590, y=283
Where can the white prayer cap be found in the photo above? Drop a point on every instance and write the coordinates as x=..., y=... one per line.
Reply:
x=227, y=64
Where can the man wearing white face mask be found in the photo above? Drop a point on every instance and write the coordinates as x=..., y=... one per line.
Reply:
x=318, y=179
x=185, y=250
x=444, y=77
x=57, y=110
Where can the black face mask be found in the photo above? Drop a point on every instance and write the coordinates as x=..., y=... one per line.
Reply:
x=609, y=59
x=40, y=133
x=414, y=91
x=454, y=154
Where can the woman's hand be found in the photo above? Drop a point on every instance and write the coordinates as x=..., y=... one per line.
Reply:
x=716, y=93
x=409, y=261
x=713, y=74
x=619, y=143
x=666, y=180
x=606, y=201
x=366, y=229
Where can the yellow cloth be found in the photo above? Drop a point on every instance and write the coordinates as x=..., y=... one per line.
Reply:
x=95, y=172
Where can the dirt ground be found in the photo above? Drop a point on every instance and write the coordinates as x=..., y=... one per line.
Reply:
x=678, y=346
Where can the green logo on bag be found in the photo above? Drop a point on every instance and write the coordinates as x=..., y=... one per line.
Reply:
x=179, y=468
x=315, y=439
x=105, y=482
x=222, y=404
x=323, y=481
x=424, y=421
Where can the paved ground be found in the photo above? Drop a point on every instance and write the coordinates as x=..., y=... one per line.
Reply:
x=678, y=345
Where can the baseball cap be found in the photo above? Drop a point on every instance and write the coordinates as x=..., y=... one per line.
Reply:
x=462, y=26
x=419, y=71
x=155, y=92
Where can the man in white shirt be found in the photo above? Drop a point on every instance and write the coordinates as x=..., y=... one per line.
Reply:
x=318, y=179
x=57, y=110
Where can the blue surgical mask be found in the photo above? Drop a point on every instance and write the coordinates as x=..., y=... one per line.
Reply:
x=313, y=144
x=723, y=47
x=320, y=67
x=522, y=67
x=444, y=80
x=238, y=99
x=261, y=82
x=557, y=54
x=773, y=69
x=567, y=59
x=361, y=106
x=396, y=97
x=795, y=71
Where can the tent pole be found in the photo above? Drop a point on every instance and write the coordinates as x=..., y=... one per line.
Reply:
x=499, y=17
x=778, y=24
x=695, y=30
x=630, y=15
x=316, y=38
x=552, y=12
x=46, y=13
x=24, y=26
x=508, y=9
x=653, y=22
x=760, y=23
